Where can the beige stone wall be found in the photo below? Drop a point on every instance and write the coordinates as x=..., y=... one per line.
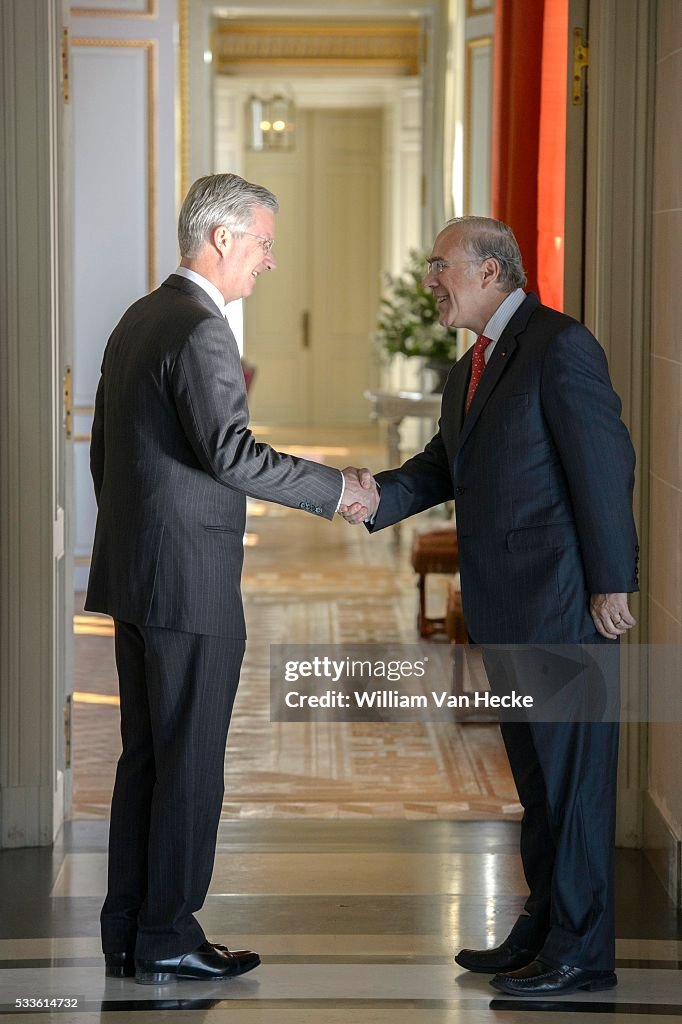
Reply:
x=664, y=803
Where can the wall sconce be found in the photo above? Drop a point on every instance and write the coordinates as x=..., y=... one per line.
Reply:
x=270, y=123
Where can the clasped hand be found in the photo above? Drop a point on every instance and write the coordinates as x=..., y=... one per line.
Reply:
x=360, y=498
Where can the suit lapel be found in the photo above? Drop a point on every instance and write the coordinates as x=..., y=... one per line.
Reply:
x=458, y=393
x=497, y=364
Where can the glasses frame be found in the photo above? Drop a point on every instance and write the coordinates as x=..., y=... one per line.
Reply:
x=436, y=265
x=265, y=242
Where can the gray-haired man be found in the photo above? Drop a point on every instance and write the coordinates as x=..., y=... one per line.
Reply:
x=531, y=447
x=172, y=460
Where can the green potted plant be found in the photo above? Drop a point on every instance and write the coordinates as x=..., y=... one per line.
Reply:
x=408, y=321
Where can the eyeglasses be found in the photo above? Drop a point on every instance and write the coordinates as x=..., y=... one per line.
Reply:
x=437, y=266
x=265, y=243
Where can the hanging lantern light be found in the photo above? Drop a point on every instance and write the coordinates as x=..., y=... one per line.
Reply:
x=281, y=114
x=270, y=123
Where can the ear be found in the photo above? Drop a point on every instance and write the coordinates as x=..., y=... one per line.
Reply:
x=490, y=272
x=221, y=239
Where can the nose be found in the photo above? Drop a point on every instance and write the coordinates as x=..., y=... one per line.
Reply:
x=429, y=279
x=269, y=261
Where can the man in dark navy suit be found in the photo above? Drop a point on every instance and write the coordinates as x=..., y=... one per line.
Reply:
x=172, y=460
x=531, y=447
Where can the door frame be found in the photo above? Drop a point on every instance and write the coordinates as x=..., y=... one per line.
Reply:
x=617, y=296
x=197, y=92
x=400, y=99
x=35, y=451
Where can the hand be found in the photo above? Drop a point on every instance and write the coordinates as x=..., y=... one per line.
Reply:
x=360, y=498
x=611, y=615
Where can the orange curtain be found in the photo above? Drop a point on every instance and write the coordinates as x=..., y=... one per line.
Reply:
x=529, y=123
x=552, y=154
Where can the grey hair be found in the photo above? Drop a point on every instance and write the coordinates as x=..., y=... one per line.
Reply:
x=219, y=199
x=485, y=238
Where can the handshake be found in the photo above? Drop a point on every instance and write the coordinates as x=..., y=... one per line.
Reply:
x=360, y=498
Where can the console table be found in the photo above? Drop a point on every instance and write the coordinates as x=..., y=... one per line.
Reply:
x=394, y=406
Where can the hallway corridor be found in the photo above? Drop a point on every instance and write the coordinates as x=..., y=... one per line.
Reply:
x=355, y=922
x=356, y=858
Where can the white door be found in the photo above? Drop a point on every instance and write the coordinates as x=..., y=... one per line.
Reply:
x=309, y=325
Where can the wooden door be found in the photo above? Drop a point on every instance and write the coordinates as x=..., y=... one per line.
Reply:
x=308, y=327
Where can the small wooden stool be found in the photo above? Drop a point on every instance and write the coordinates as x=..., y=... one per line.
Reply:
x=459, y=638
x=435, y=551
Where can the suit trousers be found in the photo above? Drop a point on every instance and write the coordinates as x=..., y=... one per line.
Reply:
x=565, y=772
x=177, y=691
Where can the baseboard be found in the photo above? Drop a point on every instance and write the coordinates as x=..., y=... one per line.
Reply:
x=663, y=849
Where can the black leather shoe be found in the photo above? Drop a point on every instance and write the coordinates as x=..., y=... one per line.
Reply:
x=541, y=979
x=122, y=965
x=207, y=963
x=119, y=965
x=506, y=957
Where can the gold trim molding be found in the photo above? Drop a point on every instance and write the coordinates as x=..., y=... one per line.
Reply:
x=473, y=11
x=183, y=97
x=390, y=46
x=151, y=11
x=149, y=46
x=471, y=44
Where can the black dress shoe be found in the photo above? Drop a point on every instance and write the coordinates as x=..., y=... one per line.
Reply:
x=207, y=963
x=506, y=957
x=119, y=965
x=122, y=965
x=541, y=979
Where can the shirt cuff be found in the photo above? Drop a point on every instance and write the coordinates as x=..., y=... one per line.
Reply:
x=372, y=519
x=343, y=487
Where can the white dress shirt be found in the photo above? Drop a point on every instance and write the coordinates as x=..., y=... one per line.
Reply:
x=500, y=318
x=208, y=286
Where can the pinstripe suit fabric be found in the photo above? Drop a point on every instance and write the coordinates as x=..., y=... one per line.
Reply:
x=541, y=469
x=172, y=460
x=177, y=691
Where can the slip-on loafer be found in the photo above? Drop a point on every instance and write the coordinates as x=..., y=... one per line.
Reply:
x=119, y=965
x=207, y=963
x=542, y=979
x=503, y=958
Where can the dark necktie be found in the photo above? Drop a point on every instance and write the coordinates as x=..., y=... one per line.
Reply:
x=477, y=366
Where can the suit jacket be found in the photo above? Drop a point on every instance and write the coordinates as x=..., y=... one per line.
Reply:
x=172, y=460
x=542, y=473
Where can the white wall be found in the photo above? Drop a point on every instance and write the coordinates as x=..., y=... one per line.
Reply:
x=34, y=459
x=123, y=75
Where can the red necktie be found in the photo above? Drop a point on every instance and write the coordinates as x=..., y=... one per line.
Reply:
x=477, y=366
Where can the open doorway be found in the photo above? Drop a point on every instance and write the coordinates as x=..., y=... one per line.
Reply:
x=311, y=323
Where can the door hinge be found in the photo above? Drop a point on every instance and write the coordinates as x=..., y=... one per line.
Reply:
x=68, y=403
x=68, y=704
x=65, y=63
x=581, y=61
x=305, y=329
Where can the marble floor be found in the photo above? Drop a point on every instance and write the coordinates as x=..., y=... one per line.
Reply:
x=356, y=858
x=308, y=581
x=355, y=921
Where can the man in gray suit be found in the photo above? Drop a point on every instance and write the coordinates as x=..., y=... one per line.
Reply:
x=172, y=460
x=531, y=447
